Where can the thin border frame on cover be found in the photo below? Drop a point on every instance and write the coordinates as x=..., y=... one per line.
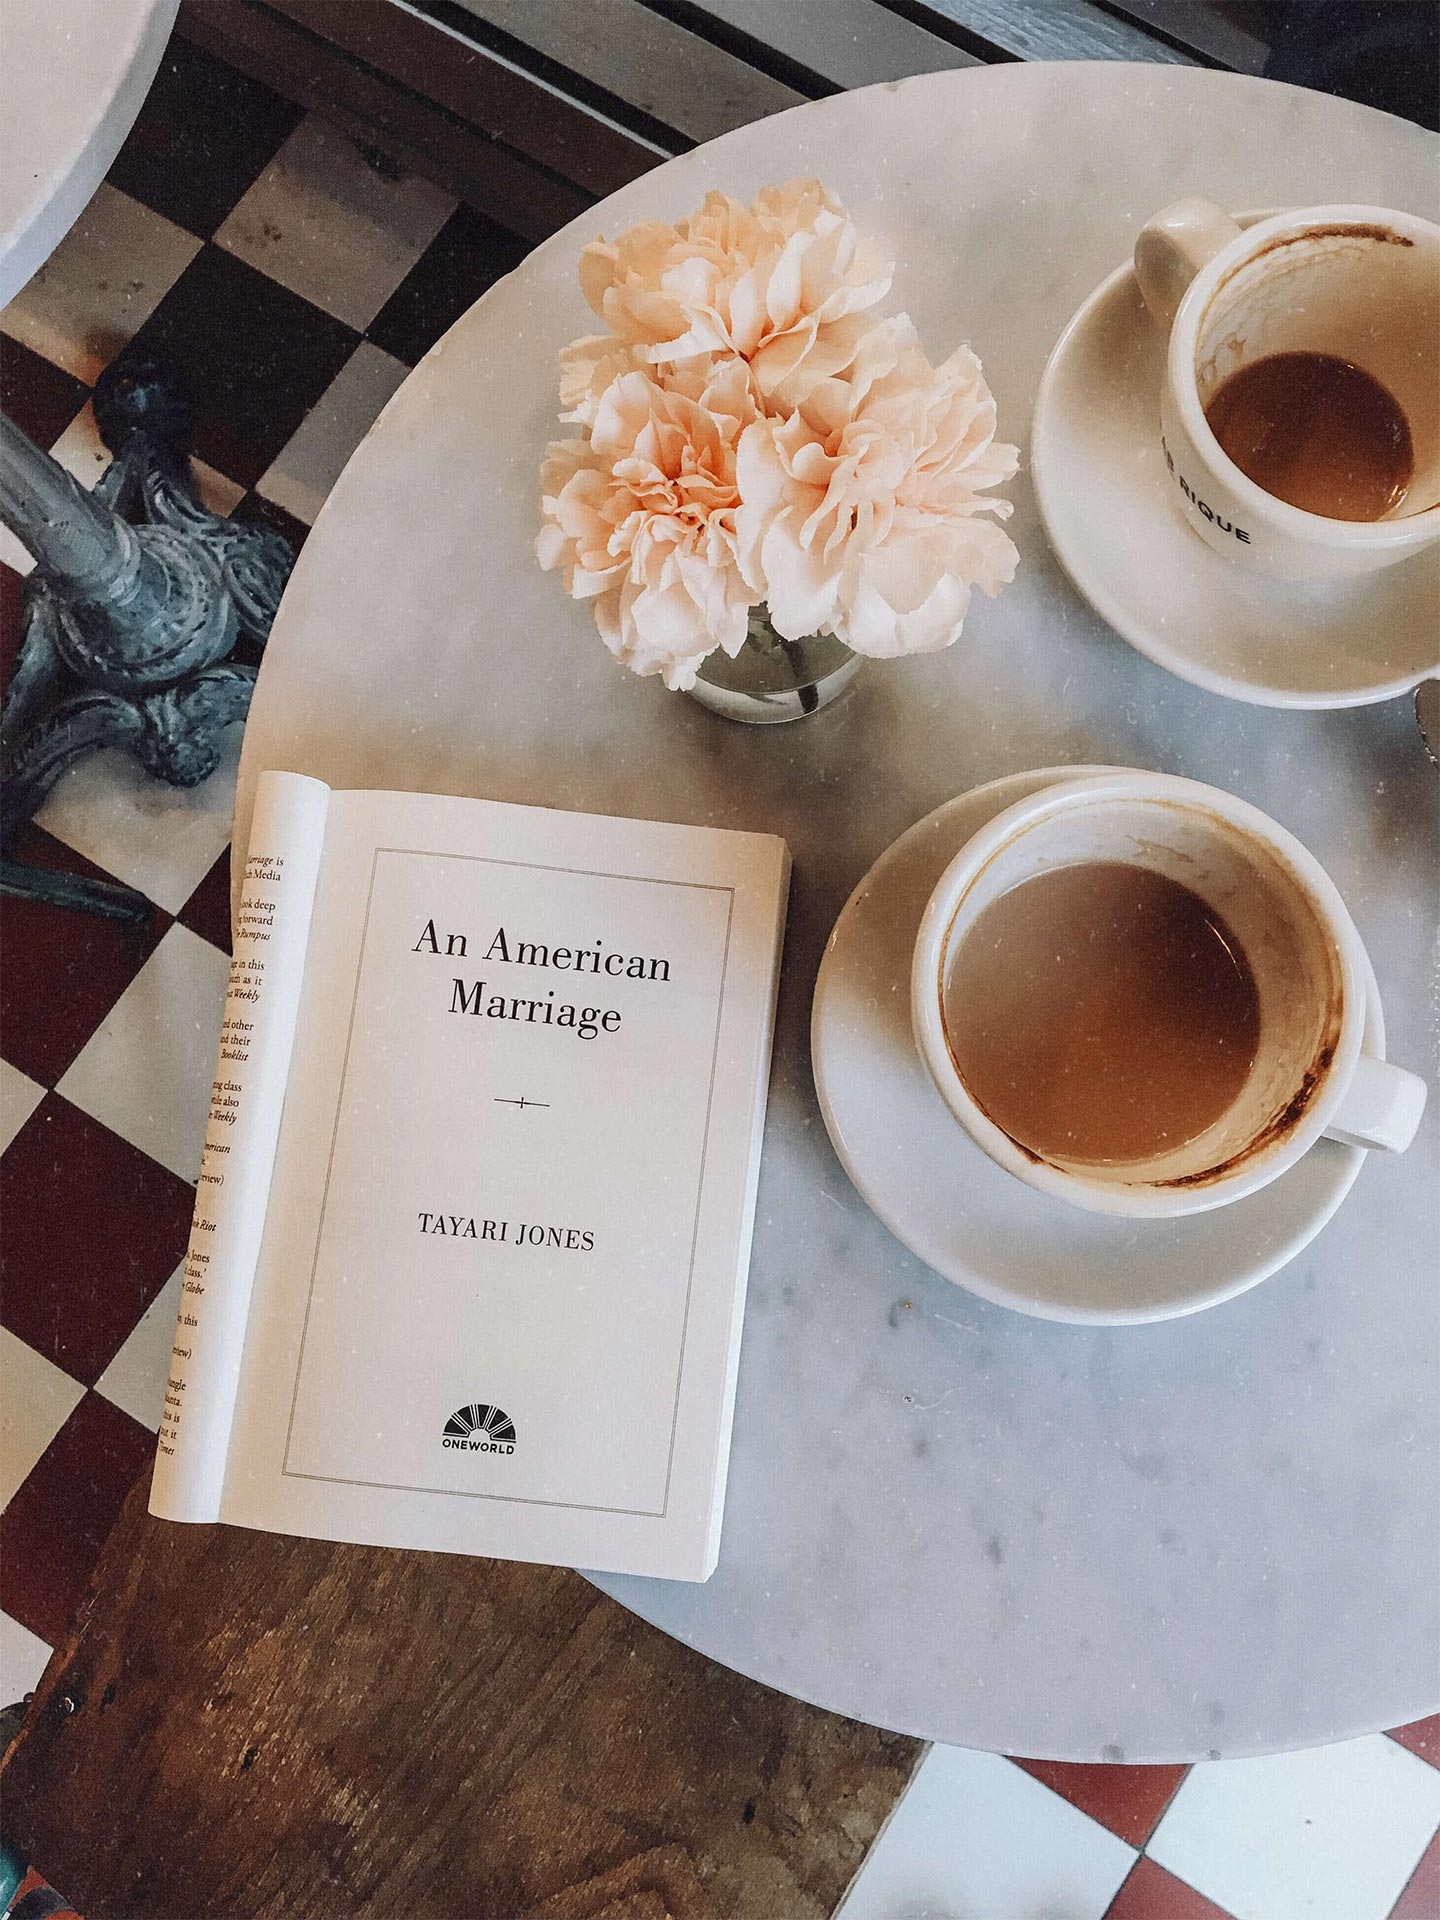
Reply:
x=464, y=1493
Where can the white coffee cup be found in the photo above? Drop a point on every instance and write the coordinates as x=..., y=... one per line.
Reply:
x=1311, y=1075
x=1360, y=283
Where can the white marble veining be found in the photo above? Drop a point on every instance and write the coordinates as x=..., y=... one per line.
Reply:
x=1214, y=1535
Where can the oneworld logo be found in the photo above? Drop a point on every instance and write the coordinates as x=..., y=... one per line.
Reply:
x=480, y=1429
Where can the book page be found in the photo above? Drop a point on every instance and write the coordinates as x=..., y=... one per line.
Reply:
x=256, y=1035
x=496, y=1304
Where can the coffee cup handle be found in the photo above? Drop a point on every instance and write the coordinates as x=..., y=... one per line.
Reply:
x=1173, y=247
x=1381, y=1108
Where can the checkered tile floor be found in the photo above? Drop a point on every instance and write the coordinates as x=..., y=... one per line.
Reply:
x=293, y=279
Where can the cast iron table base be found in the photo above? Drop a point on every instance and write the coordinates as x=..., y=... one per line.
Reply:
x=138, y=599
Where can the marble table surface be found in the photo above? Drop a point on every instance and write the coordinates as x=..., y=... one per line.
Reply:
x=76, y=74
x=1216, y=1535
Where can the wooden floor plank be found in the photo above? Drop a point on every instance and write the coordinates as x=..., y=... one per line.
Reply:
x=244, y=1724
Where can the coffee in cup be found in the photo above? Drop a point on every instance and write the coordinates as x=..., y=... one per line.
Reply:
x=1316, y=431
x=1101, y=1013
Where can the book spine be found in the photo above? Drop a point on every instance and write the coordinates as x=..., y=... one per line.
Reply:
x=272, y=930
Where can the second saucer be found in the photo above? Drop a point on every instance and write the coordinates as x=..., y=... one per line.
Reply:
x=967, y=1217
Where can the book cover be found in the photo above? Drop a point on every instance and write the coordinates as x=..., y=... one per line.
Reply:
x=473, y=1222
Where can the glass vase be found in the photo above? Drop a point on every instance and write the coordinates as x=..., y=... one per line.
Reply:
x=772, y=679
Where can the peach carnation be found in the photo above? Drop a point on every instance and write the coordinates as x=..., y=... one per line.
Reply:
x=868, y=516
x=784, y=283
x=640, y=514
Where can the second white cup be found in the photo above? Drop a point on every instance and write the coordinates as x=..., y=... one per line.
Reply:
x=1310, y=1076
x=1361, y=284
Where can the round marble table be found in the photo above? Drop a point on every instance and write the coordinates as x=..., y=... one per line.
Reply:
x=77, y=72
x=1216, y=1535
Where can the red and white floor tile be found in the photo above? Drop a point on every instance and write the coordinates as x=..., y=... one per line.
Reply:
x=293, y=279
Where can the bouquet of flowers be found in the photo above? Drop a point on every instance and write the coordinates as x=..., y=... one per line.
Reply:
x=750, y=430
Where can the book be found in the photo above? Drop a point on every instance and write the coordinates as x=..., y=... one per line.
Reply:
x=472, y=1226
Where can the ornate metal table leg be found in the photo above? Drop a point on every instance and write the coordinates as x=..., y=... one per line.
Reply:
x=125, y=628
x=145, y=422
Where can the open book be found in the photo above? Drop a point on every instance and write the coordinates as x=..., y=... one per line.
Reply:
x=473, y=1221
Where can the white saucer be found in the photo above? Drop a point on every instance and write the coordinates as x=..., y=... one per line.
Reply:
x=1097, y=466
x=953, y=1206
